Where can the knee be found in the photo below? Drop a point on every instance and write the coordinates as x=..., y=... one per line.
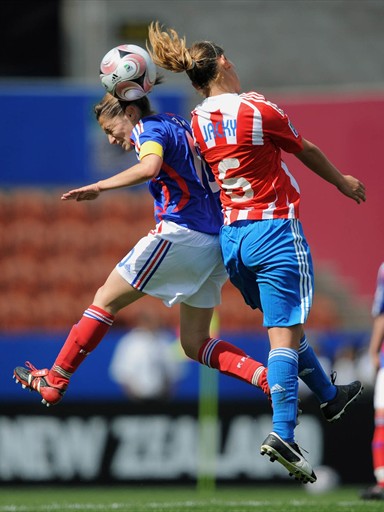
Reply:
x=98, y=299
x=190, y=346
x=101, y=301
x=188, y=351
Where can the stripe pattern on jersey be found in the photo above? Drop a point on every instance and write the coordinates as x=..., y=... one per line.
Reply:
x=241, y=137
x=185, y=194
x=306, y=290
x=97, y=315
x=137, y=130
x=151, y=265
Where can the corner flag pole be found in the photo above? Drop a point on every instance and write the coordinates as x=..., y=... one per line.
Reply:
x=208, y=424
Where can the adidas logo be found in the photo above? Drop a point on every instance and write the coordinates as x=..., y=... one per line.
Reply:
x=277, y=389
x=242, y=361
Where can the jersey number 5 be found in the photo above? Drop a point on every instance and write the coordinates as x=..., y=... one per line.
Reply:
x=229, y=185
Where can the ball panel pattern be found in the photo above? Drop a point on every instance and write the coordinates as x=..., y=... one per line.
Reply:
x=128, y=72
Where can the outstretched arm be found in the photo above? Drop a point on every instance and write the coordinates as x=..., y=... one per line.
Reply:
x=312, y=157
x=147, y=169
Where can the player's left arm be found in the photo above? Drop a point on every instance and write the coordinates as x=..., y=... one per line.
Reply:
x=313, y=158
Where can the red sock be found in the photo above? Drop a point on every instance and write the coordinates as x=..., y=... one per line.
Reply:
x=82, y=339
x=232, y=361
x=378, y=450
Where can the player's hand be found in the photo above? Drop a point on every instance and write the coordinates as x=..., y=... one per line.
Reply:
x=353, y=188
x=87, y=193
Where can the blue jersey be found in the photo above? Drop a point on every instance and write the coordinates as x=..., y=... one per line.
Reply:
x=185, y=191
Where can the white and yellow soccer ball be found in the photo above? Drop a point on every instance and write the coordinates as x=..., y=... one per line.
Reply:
x=128, y=72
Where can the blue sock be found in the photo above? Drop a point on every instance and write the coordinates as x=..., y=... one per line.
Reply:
x=311, y=372
x=283, y=382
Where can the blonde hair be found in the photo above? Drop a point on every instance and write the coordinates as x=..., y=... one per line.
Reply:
x=169, y=51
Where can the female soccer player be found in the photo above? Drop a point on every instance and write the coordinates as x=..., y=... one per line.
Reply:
x=265, y=252
x=179, y=261
x=376, y=351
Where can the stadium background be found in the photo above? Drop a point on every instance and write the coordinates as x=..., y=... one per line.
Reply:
x=319, y=60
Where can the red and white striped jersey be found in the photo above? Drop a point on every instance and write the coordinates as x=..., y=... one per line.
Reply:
x=241, y=137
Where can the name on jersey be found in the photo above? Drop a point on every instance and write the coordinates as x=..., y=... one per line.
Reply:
x=219, y=130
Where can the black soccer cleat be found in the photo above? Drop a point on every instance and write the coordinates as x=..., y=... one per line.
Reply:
x=345, y=395
x=290, y=456
x=373, y=493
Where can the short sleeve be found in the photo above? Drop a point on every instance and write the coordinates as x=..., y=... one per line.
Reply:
x=278, y=126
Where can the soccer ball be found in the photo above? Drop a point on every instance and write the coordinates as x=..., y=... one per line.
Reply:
x=128, y=72
x=327, y=480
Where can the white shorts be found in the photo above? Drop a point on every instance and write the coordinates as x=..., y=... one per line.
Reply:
x=378, y=396
x=176, y=264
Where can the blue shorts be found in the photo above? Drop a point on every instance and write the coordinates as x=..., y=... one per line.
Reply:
x=269, y=261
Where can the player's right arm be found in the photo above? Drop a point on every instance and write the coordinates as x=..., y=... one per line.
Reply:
x=313, y=158
x=147, y=169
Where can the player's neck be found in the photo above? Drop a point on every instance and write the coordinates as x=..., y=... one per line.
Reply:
x=218, y=89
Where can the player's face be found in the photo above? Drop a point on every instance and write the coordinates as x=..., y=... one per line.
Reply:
x=118, y=130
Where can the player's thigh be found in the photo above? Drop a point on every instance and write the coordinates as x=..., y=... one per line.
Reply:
x=210, y=284
x=172, y=272
x=278, y=254
x=243, y=278
x=116, y=293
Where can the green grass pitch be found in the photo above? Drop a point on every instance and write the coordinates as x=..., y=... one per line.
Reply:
x=260, y=498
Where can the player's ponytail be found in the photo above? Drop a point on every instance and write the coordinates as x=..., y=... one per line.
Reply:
x=169, y=51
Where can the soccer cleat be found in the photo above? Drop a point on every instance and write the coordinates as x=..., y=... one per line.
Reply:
x=37, y=380
x=345, y=395
x=290, y=456
x=373, y=493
